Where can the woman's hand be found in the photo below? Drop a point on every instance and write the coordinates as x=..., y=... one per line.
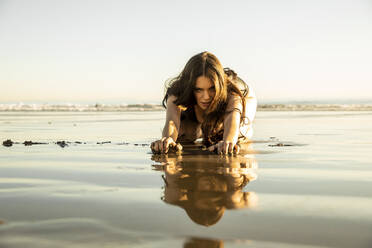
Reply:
x=163, y=145
x=225, y=147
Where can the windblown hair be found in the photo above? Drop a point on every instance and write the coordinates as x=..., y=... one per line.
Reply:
x=205, y=64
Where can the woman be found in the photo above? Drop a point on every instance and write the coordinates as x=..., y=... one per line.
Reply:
x=210, y=102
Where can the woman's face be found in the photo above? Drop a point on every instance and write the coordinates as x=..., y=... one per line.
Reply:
x=204, y=92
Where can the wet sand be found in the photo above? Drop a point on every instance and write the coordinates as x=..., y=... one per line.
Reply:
x=109, y=190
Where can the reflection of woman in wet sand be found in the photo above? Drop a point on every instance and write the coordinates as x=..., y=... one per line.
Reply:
x=203, y=243
x=206, y=190
x=210, y=102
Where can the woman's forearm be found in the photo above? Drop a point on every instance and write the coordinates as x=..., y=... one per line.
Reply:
x=172, y=120
x=170, y=130
x=231, y=127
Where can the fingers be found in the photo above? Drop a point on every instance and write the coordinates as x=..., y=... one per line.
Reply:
x=230, y=148
x=157, y=146
x=152, y=146
x=237, y=149
x=212, y=148
x=163, y=145
x=222, y=147
x=225, y=147
x=167, y=143
x=179, y=147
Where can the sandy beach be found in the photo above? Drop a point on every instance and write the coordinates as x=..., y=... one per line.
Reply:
x=305, y=181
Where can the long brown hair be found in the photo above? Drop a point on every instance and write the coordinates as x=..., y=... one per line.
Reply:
x=183, y=86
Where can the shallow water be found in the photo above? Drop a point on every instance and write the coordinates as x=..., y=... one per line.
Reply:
x=316, y=193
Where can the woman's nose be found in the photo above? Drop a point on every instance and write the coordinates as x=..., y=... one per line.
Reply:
x=206, y=95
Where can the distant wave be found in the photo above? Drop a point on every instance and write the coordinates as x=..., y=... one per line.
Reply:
x=154, y=107
x=315, y=107
x=80, y=107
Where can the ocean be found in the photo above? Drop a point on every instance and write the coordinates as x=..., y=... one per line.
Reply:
x=89, y=180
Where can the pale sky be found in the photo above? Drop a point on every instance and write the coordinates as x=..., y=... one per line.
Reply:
x=123, y=51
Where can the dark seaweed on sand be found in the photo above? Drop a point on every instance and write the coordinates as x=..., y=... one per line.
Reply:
x=62, y=143
x=30, y=143
x=8, y=143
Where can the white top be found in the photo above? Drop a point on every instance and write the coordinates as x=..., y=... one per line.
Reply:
x=246, y=127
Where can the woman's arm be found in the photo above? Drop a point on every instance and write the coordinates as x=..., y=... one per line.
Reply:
x=234, y=114
x=170, y=130
x=231, y=124
x=173, y=119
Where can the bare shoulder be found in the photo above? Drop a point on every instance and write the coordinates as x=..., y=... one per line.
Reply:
x=172, y=98
x=172, y=107
x=170, y=103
